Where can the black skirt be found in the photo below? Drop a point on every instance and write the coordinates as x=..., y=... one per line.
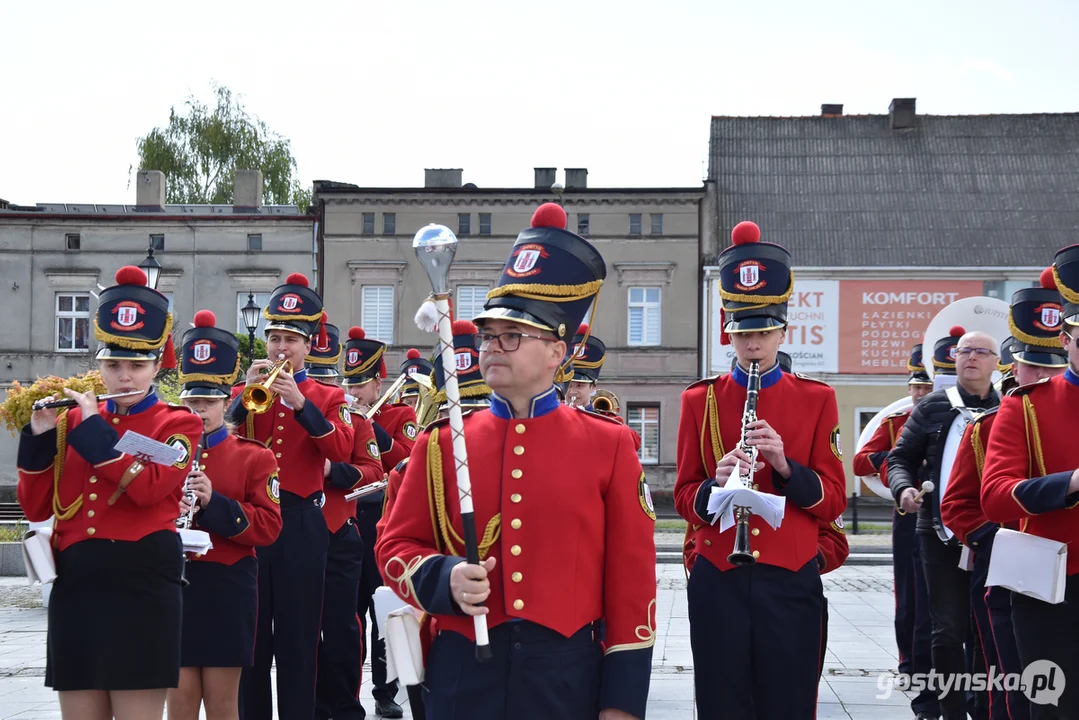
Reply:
x=114, y=615
x=220, y=609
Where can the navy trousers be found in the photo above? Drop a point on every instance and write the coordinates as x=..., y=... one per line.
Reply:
x=367, y=516
x=290, y=578
x=913, y=626
x=340, y=653
x=999, y=602
x=755, y=632
x=1048, y=632
x=536, y=674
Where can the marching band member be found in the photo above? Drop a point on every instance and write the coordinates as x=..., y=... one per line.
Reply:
x=236, y=488
x=586, y=357
x=413, y=365
x=396, y=430
x=114, y=534
x=1035, y=353
x=552, y=571
x=972, y=356
x=913, y=626
x=743, y=618
x=306, y=424
x=340, y=650
x=1030, y=478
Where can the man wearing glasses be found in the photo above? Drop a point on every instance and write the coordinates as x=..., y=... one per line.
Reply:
x=568, y=588
x=972, y=357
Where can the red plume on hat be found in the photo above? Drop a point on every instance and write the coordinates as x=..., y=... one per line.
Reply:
x=356, y=333
x=745, y=232
x=549, y=215
x=297, y=279
x=130, y=275
x=205, y=318
x=464, y=327
x=1047, y=280
x=413, y=354
x=168, y=355
x=323, y=340
x=957, y=331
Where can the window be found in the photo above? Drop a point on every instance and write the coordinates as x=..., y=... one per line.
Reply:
x=657, y=223
x=72, y=322
x=73, y=241
x=582, y=224
x=168, y=296
x=389, y=223
x=470, y=299
x=464, y=223
x=862, y=416
x=157, y=242
x=376, y=312
x=644, y=420
x=485, y=223
x=261, y=299
x=254, y=242
x=634, y=223
x=644, y=317
x=368, y=223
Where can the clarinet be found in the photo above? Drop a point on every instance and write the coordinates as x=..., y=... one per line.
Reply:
x=742, y=555
x=187, y=518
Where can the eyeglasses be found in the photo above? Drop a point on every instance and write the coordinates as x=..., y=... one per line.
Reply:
x=980, y=352
x=507, y=341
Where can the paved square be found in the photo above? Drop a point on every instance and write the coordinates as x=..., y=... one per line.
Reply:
x=861, y=646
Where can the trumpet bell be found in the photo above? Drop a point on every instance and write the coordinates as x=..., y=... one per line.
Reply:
x=605, y=401
x=257, y=397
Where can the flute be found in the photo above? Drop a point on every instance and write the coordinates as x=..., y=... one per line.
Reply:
x=366, y=490
x=69, y=402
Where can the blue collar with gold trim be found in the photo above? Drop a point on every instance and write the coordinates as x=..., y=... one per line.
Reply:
x=145, y=404
x=768, y=378
x=1071, y=377
x=215, y=438
x=542, y=404
x=300, y=376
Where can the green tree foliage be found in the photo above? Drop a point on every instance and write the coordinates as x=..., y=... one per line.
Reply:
x=202, y=147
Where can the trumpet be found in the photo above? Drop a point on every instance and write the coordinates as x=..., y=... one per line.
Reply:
x=257, y=397
x=606, y=402
x=394, y=389
x=742, y=555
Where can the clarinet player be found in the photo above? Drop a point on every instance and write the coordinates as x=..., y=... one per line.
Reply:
x=755, y=629
x=237, y=501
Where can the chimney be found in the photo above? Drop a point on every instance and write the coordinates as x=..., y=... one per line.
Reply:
x=150, y=189
x=901, y=114
x=831, y=109
x=247, y=190
x=545, y=178
x=442, y=178
x=576, y=178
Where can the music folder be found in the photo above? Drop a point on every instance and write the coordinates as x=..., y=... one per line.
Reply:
x=1028, y=564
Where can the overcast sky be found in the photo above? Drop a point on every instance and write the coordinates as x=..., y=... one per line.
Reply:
x=372, y=93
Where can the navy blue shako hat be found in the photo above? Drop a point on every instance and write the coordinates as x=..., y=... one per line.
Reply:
x=414, y=364
x=294, y=307
x=944, y=351
x=363, y=358
x=325, y=353
x=755, y=283
x=474, y=391
x=1035, y=318
x=916, y=368
x=133, y=321
x=209, y=359
x=1066, y=275
x=587, y=354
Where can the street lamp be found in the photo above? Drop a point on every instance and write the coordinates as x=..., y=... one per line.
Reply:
x=152, y=268
x=251, y=313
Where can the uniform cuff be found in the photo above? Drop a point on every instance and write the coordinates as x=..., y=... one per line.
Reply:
x=95, y=440
x=877, y=459
x=36, y=452
x=624, y=686
x=431, y=582
x=1044, y=494
x=223, y=516
x=803, y=487
x=313, y=421
x=700, y=503
x=343, y=476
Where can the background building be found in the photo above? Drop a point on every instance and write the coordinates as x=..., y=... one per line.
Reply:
x=889, y=218
x=54, y=256
x=647, y=312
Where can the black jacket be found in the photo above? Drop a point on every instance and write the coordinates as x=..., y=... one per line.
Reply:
x=922, y=440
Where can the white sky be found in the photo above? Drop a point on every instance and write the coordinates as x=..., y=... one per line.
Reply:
x=372, y=93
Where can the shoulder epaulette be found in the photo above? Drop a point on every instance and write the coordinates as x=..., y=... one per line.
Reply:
x=702, y=382
x=249, y=440
x=800, y=376
x=897, y=414
x=984, y=415
x=324, y=382
x=400, y=468
x=1024, y=389
x=185, y=408
x=599, y=416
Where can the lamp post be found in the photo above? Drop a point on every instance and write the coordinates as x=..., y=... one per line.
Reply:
x=251, y=313
x=152, y=268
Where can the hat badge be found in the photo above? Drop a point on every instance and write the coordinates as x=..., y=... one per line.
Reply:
x=749, y=275
x=579, y=350
x=526, y=257
x=463, y=360
x=202, y=352
x=353, y=356
x=951, y=352
x=1049, y=315
x=127, y=316
x=290, y=302
x=411, y=370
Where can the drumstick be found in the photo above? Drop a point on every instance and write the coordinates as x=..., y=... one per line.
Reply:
x=927, y=487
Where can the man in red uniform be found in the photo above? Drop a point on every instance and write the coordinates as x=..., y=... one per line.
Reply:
x=1035, y=353
x=306, y=424
x=340, y=652
x=395, y=430
x=913, y=626
x=555, y=575
x=743, y=618
x=414, y=364
x=1030, y=478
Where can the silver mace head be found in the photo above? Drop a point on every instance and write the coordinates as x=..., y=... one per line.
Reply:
x=435, y=246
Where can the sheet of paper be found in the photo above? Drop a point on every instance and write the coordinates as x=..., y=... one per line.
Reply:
x=196, y=541
x=399, y=624
x=139, y=445
x=1028, y=564
x=722, y=501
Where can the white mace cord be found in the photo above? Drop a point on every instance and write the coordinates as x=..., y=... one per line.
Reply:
x=460, y=451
